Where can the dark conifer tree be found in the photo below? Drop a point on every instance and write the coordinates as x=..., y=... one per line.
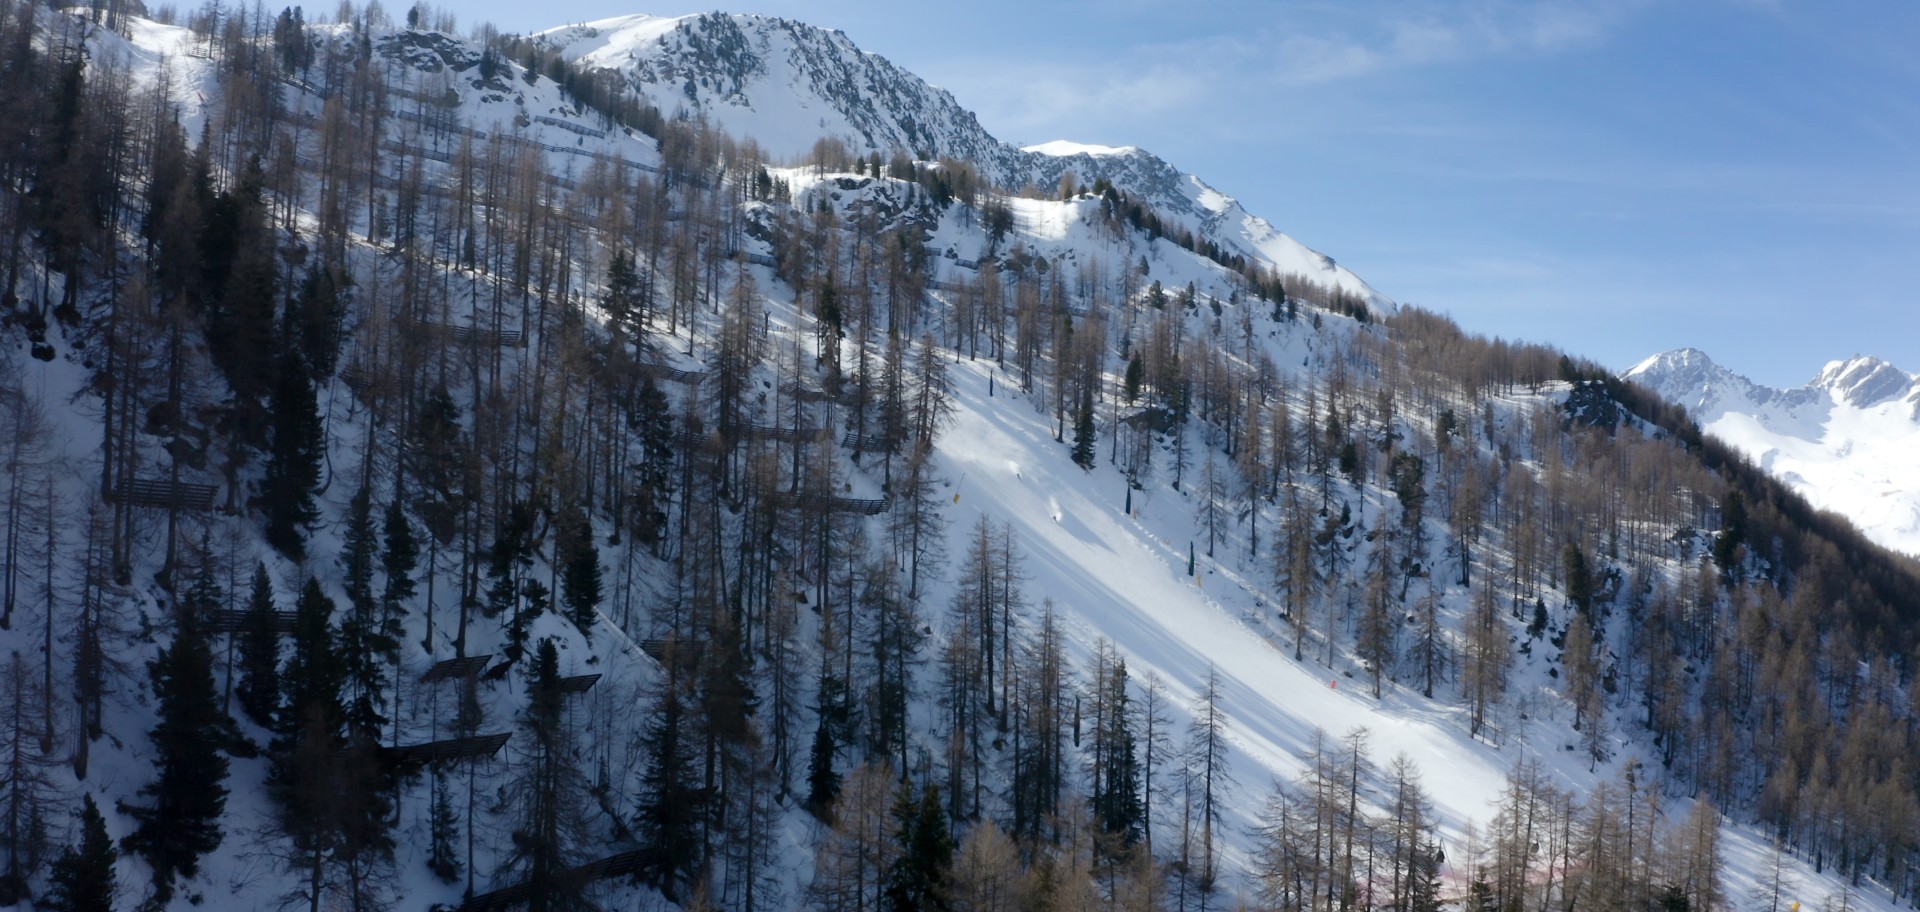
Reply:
x=443, y=856
x=650, y=416
x=670, y=807
x=544, y=841
x=624, y=300
x=82, y=878
x=325, y=777
x=920, y=878
x=894, y=639
x=823, y=782
x=402, y=556
x=314, y=675
x=1579, y=580
x=579, y=568
x=1084, y=435
x=315, y=318
x=365, y=647
x=237, y=263
x=508, y=593
x=293, y=459
x=189, y=791
x=1116, y=801
x=260, y=653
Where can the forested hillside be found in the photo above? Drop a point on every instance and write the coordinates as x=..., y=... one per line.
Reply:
x=432, y=474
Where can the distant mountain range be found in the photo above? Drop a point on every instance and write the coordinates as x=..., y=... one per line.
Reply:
x=1849, y=440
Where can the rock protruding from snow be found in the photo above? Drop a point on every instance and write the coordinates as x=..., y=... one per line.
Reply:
x=1867, y=381
x=1845, y=440
x=786, y=85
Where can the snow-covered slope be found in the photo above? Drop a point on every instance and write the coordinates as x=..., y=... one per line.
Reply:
x=1118, y=567
x=1846, y=440
x=786, y=84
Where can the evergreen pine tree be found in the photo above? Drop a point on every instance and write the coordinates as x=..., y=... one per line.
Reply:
x=1116, y=803
x=543, y=839
x=919, y=879
x=293, y=458
x=189, y=790
x=670, y=807
x=401, y=557
x=443, y=858
x=624, y=299
x=82, y=877
x=365, y=647
x=312, y=679
x=326, y=778
x=823, y=782
x=579, y=568
x=260, y=653
x=314, y=319
x=1084, y=435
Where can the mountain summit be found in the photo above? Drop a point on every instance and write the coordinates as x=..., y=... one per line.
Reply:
x=1844, y=440
x=786, y=85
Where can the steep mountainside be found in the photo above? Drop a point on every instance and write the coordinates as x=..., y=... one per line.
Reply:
x=787, y=84
x=432, y=480
x=1846, y=440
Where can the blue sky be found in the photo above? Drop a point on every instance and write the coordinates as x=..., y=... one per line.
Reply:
x=1615, y=177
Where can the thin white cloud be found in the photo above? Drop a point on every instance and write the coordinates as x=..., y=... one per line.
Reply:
x=1311, y=52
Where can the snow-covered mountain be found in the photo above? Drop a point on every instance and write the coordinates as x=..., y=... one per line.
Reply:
x=1845, y=440
x=1150, y=552
x=786, y=85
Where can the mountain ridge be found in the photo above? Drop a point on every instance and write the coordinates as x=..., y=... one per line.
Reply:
x=1842, y=439
x=748, y=73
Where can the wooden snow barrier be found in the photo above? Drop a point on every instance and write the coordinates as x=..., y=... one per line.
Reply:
x=671, y=374
x=235, y=620
x=463, y=668
x=865, y=443
x=785, y=434
x=806, y=393
x=828, y=503
x=578, y=684
x=627, y=862
x=486, y=337
x=475, y=747
x=167, y=495
x=569, y=126
x=757, y=432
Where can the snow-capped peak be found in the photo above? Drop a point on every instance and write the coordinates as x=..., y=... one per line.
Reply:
x=1691, y=378
x=1866, y=381
x=787, y=85
x=1844, y=440
x=1064, y=147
